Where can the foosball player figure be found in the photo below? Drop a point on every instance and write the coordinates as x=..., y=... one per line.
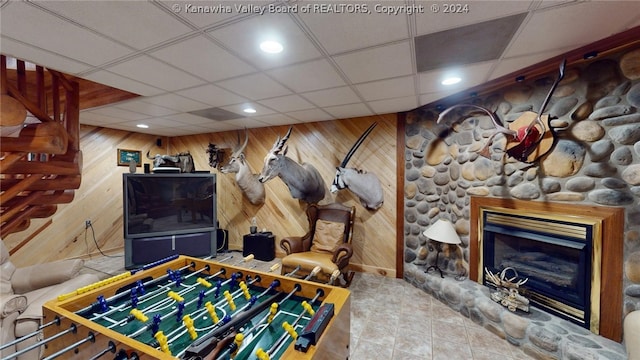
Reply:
x=212, y=312
x=162, y=341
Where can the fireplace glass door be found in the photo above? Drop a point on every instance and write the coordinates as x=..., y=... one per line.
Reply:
x=557, y=263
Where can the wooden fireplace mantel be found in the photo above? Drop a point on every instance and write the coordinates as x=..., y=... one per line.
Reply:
x=612, y=220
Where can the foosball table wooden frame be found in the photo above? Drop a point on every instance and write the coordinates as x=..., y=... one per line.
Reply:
x=94, y=338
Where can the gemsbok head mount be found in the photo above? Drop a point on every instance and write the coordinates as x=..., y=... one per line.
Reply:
x=366, y=186
x=528, y=137
x=303, y=180
x=247, y=181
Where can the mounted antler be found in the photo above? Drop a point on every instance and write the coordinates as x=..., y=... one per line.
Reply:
x=496, y=123
x=303, y=180
x=364, y=185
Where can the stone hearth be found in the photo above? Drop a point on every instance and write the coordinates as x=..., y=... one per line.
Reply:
x=539, y=334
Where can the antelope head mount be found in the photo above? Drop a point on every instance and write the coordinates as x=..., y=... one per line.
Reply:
x=247, y=181
x=366, y=186
x=303, y=180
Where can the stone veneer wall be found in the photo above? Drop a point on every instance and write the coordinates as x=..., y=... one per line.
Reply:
x=596, y=159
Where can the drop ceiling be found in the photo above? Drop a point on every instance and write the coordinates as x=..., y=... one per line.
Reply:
x=194, y=69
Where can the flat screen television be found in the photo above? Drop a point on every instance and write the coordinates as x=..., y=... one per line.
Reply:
x=168, y=204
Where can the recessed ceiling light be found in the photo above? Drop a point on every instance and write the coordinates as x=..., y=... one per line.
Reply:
x=143, y=126
x=451, y=80
x=250, y=110
x=271, y=47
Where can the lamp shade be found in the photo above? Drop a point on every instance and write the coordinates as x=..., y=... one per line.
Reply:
x=442, y=231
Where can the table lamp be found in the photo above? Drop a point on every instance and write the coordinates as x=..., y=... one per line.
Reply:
x=443, y=232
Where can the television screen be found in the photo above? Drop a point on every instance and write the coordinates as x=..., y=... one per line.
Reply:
x=168, y=204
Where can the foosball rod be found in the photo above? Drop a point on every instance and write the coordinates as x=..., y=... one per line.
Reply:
x=111, y=348
x=91, y=338
x=55, y=321
x=144, y=328
x=155, y=293
x=290, y=274
x=276, y=345
x=73, y=329
x=313, y=273
x=197, y=312
x=128, y=292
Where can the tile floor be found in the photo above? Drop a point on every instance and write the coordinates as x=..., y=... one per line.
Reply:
x=390, y=319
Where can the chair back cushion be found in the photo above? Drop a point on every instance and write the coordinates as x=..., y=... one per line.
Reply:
x=328, y=236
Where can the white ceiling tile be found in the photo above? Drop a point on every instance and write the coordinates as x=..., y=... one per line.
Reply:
x=441, y=15
x=249, y=123
x=217, y=126
x=310, y=115
x=471, y=75
x=287, y=103
x=382, y=89
x=351, y=29
x=212, y=95
x=186, y=118
x=211, y=13
x=140, y=106
x=275, y=120
x=513, y=64
x=244, y=37
x=155, y=73
x=255, y=87
x=52, y=61
x=28, y=23
x=239, y=109
x=377, y=63
x=309, y=76
x=176, y=102
x=348, y=111
x=120, y=113
x=560, y=27
x=139, y=24
x=91, y=117
x=206, y=59
x=435, y=96
x=158, y=122
x=332, y=97
x=389, y=106
x=122, y=83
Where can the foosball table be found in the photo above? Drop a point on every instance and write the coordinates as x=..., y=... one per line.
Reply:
x=190, y=308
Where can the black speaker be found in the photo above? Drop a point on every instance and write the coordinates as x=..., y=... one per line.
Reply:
x=147, y=168
x=261, y=245
x=159, y=142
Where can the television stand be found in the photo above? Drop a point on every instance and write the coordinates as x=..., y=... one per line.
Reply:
x=141, y=251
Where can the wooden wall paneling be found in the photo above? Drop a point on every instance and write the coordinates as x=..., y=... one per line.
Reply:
x=323, y=144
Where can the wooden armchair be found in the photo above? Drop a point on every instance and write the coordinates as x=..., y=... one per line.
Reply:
x=327, y=244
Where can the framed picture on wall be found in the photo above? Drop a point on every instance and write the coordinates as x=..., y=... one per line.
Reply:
x=125, y=156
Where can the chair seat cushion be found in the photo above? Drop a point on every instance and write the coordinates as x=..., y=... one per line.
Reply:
x=309, y=260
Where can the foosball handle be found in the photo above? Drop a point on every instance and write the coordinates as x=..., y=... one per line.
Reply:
x=274, y=267
x=248, y=258
x=334, y=276
x=315, y=271
x=93, y=286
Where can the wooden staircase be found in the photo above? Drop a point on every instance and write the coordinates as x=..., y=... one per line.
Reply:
x=42, y=166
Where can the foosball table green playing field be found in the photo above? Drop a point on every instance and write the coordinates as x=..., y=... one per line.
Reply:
x=190, y=308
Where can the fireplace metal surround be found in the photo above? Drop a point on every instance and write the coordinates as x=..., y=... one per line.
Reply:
x=599, y=253
x=559, y=255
